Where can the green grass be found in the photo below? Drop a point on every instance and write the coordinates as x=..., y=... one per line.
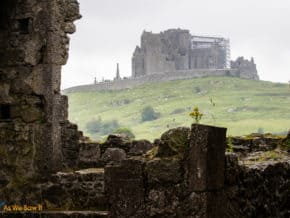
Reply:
x=241, y=105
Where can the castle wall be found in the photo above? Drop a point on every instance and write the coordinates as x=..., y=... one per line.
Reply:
x=188, y=174
x=138, y=65
x=247, y=69
x=33, y=113
x=173, y=50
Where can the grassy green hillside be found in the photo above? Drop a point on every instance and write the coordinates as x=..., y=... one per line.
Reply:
x=243, y=106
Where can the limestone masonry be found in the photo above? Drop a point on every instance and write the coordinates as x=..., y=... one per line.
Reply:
x=176, y=54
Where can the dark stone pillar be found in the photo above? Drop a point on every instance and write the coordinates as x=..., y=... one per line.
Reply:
x=125, y=189
x=204, y=172
x=206, y=158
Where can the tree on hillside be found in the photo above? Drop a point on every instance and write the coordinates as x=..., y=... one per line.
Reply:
x=94, y=126
x=149, y=114
x=110, y=126
x=125, y=131
x=102, y=127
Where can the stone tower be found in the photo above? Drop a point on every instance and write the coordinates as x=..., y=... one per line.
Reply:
x=118, y=77
x=35, y=134
x=246, y=68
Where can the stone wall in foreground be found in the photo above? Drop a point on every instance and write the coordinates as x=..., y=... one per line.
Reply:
x=188, y=174
x=185, y=173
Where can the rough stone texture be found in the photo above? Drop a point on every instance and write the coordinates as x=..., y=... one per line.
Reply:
x=116, y=141
x=257, y=192
x=115, y=148
x=56, y=214
x=33, y=114
x=256, y=142
x=163, y=171
x=124, y=185
x=114, y=154
x=139, y=147
x=166, y=186
x=71, y=139
x=173, y=142
x=89, y=155
x=75, y=190
x=203, y=205
x=206, y=154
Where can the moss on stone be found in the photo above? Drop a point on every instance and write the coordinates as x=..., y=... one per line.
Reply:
x=152, y=153
x=285, y=145
x=175, y=140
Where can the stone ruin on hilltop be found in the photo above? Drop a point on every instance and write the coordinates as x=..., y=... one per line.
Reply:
x=176, y=50
x=176, y=54
x=46, y=164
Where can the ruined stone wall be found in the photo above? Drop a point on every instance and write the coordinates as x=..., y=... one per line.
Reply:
x=184, y=178
x=33, y=113
x=247, y=69
x=187, y=174
x=164, y=52
x=176, y=50
x=257, y=191
x=172, y=50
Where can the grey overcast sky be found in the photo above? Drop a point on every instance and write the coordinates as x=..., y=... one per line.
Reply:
x=110, y=29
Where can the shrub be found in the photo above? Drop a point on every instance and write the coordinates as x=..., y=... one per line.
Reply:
x=149, y=114
x=126, y=132
x=260, y=131
x=110, y=126
x=98, y=126
x=94, y=126
x=197, y=89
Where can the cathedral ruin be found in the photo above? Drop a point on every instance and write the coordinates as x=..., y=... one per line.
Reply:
x=176, y=54
x=176, y=50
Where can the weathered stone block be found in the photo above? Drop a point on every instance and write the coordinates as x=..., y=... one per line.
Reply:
x=162, y=202
x=163, y=171
x=70, y=144
x=125, y=189
x=232, y=169
x=203, y=205
x=116, y=141
x=173, y=142
x=206, y=158
x=75, y=190
x=140, y=147
x=11, y=57
x=114, y=154
x=89, y=155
